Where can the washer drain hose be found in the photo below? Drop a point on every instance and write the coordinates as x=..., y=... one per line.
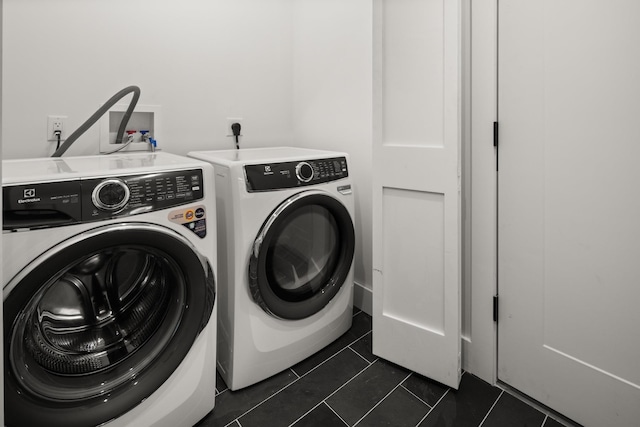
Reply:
x=94, y=118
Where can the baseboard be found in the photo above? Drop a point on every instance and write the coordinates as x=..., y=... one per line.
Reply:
x=363, y=298
x=539, y=406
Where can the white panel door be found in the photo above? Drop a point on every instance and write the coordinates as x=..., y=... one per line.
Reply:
x=569, y=206
x=416, y=193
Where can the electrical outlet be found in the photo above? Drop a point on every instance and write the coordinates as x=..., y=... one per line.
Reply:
x=56, y=123
x=230, y=121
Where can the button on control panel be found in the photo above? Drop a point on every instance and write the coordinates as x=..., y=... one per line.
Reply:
x=110, y=195
x=274, y=176
x=304, y=171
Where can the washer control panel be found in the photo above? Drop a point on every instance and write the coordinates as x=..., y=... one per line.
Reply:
x=282, y=175
x=52, y=204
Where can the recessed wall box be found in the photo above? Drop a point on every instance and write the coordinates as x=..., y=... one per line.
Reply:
x=145, y=118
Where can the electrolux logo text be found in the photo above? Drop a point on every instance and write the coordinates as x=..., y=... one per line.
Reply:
x=29, y=195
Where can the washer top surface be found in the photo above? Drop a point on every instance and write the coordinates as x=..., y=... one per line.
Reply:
x=64, y=168
x=257, y=155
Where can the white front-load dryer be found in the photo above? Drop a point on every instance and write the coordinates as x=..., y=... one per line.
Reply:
x=109, y=291
x=285, y=255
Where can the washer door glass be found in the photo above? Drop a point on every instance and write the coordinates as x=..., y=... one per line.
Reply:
x=100, y=322
x=302, y=255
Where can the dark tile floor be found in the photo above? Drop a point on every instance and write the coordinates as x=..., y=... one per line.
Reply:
x=346, y=385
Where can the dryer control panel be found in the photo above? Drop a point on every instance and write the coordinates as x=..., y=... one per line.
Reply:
x=277, y=176
x=51, y=204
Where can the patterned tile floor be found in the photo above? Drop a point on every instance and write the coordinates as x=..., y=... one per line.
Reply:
x=346, y=385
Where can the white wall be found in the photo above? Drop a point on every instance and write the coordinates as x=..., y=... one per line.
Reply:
x=480, y=348
x=297, y=71
x=332, y=102
x=201, y=61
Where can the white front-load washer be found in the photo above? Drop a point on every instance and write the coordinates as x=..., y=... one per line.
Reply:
x=285, y=255
x=109, y=290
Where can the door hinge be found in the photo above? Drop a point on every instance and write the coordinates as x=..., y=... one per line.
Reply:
x=495, y=308
x=495, y=142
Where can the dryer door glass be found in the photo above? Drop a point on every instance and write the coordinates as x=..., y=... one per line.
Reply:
x=102, y=322
x=302, y=255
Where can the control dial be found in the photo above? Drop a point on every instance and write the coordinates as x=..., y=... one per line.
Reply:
x=110, y=195
x=304, y=171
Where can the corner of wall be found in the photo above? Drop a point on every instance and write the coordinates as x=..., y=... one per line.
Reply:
x=363, y=298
